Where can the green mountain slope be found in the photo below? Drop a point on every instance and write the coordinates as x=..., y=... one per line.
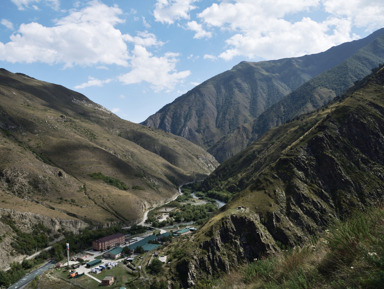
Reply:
x=293, y=182
x=63, y=156
x=221, y=104
x=308, y=97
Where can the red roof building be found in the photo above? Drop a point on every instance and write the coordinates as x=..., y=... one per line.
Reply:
x=108, y=242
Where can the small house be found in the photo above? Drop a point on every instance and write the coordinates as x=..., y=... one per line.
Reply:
x=108, y=280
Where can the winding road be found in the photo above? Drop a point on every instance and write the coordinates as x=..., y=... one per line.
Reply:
x=145, y=217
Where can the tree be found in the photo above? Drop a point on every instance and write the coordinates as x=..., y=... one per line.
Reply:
x=139, y=250
x=127, y=251
x=156, y=266
x=4, y=279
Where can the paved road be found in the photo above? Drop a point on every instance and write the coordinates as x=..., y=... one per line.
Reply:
x=28, y=278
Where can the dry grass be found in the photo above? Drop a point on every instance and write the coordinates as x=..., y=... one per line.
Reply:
x=53, y=138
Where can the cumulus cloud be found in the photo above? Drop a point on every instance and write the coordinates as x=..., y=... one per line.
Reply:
x=168, y=11
x=160, y=72
x=88, y=37
x=367, y=14
x=23, y=4
x=93, y=82
x=7, y=24
x=286, y=39
x=84, y=37
x=262, y=28
x=198, y=28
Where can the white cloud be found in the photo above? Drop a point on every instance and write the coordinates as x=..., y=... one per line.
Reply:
x=198, y=28
x=115, y=110
x=23, y=4
x=84, y=37
x=285, y=39
x=7, y=24
x=367, y=14
x=167, y=11
x=210, y=57
x=144, y=39
x=93, y=82
x=160, y=72
x=145, y=23
x=261, y=28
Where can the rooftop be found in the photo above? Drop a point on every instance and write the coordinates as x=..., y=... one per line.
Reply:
x=111, y=237
x=115, y=251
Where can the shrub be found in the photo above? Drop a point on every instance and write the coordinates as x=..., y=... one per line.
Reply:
x=156, y=266
x=110, y=181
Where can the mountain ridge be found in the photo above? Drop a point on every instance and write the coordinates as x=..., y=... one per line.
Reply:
x=231, y=100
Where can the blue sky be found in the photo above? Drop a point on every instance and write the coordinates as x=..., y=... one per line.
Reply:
x=135, y=56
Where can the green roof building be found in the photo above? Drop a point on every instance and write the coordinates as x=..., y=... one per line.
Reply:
x=115, y=253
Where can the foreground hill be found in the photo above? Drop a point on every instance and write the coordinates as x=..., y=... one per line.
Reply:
x=63, y=156
x=293, y=183
x=209, y=112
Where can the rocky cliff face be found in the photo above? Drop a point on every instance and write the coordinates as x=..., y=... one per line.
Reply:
x=293, y=185
x=238, y=239
x=25, y=222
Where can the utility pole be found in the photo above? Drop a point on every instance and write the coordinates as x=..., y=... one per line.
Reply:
x=67, y=245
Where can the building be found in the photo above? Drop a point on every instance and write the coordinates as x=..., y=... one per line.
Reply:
x=108, y=280
x=93, y=263
x=114, y=253
x=108, y=242
x=182, y=232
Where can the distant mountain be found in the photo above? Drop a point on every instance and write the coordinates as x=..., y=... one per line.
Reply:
x=293, y=183
x=66, y=157
x=308, y=97
x=221, y=105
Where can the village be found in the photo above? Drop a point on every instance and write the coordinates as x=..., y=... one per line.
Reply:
x=118, y=259
x=110, y=254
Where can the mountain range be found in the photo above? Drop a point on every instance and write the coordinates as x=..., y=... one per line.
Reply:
x=300, y=142
x=228, y=112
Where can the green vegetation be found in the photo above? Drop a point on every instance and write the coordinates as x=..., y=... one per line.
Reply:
x=110, y=181
x=156, y=266
x=223, y=196
x=28, y=243
x=188, y=212
x=139, y=250
x=349, y=255
x=11, y=276
x=18, y=270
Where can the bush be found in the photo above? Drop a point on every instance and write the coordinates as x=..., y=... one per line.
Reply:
x=156, y=266
x=110, y=181
x=139, y=250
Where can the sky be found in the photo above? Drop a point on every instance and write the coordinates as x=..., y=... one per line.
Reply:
x=135, y=56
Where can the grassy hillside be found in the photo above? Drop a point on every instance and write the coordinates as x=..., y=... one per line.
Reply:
x=348, y=255
x=54, y=139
